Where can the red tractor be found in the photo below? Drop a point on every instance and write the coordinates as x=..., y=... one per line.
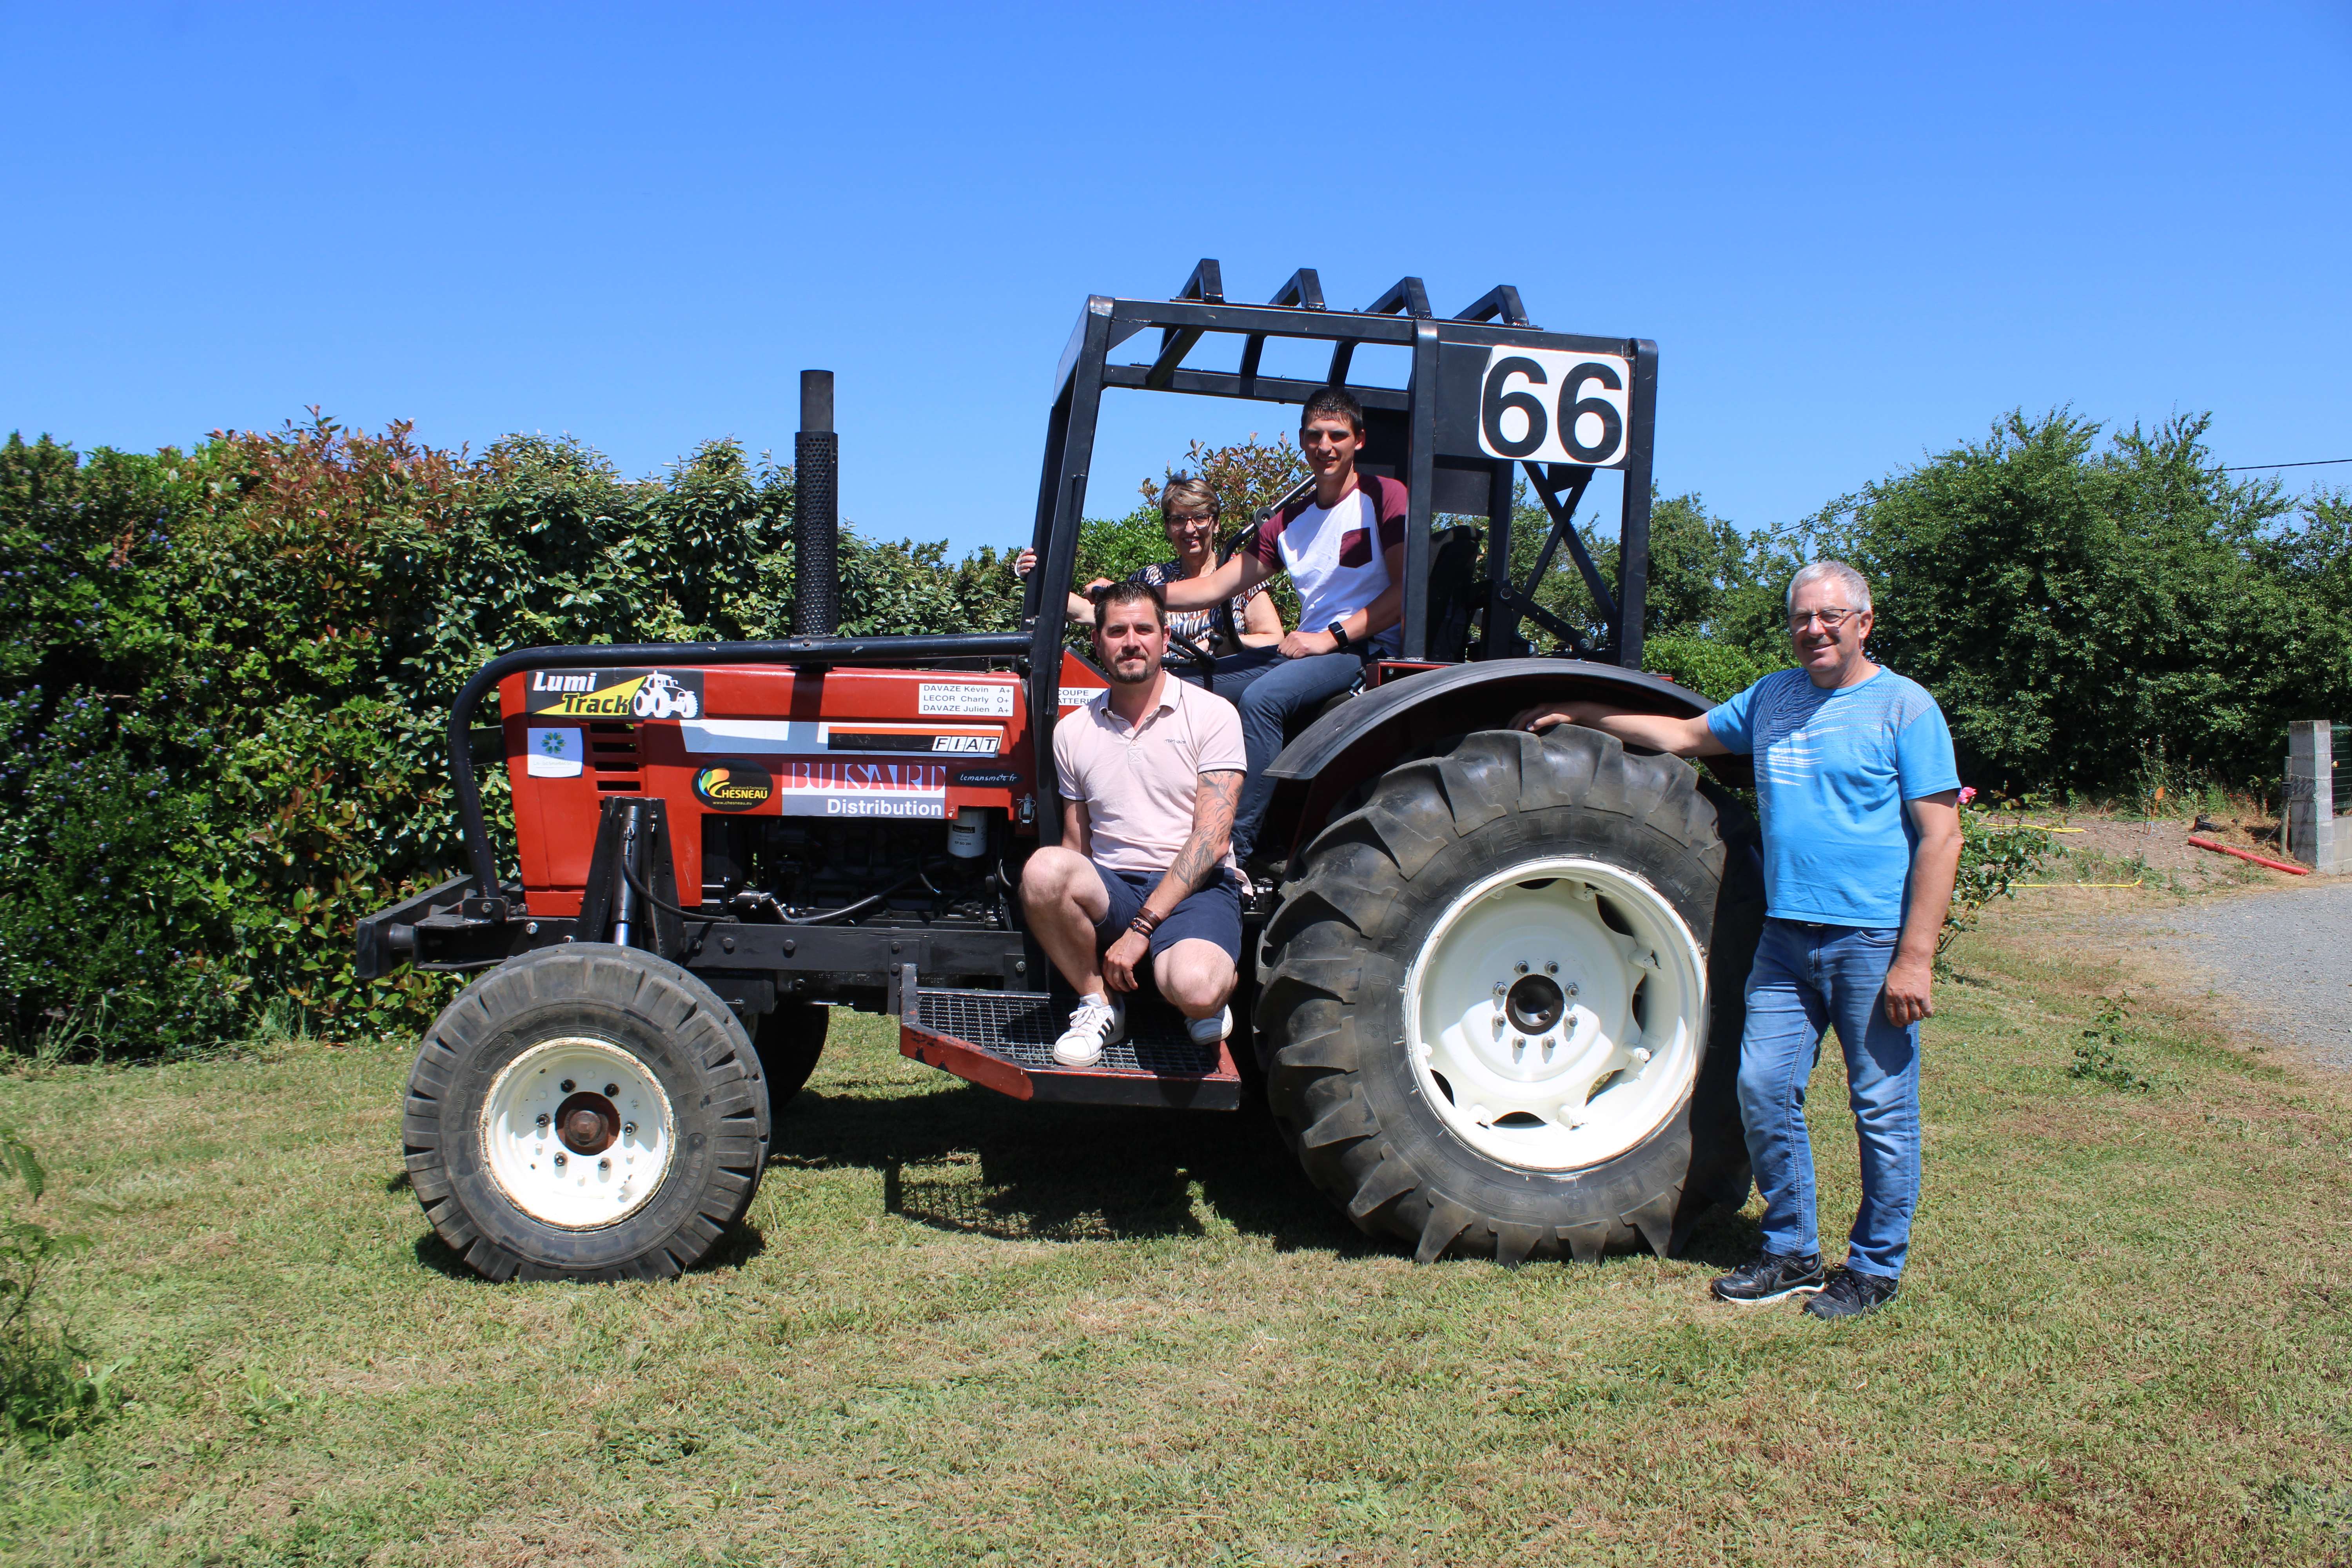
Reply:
x=1495, y=1002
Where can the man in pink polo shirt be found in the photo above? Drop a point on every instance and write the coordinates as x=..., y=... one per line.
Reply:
x=1150, y=771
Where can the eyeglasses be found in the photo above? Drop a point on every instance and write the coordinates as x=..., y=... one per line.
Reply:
x=1190, y=519
x=1830, y=619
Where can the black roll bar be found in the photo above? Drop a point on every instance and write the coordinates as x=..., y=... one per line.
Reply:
x=1428, y=432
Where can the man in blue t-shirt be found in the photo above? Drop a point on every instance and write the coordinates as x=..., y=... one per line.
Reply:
x=1859, y=797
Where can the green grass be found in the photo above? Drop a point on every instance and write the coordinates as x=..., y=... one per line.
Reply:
x=961, y=1329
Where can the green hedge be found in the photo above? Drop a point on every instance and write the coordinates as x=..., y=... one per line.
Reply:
x=2086, y=611
x=227, y=674
x=2098, y=612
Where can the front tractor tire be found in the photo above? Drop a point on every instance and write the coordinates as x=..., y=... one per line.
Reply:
x=585, y=1113
x=1502, y=1003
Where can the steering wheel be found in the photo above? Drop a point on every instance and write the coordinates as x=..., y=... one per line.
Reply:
x=1199, y=656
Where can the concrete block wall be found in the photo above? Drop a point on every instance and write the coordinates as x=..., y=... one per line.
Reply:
x=2315, y=835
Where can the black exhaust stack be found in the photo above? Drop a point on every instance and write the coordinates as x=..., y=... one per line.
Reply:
x=816, y=511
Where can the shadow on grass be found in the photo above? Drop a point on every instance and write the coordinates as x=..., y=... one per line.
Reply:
x=962, y=1158
x=1723, y=1239
x=442, y=1258
x=743, y=1242
x=966, y=1159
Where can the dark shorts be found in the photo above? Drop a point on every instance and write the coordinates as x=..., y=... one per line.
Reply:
x=1212, y=913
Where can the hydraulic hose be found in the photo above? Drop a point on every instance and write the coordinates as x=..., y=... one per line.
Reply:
x=831, y=917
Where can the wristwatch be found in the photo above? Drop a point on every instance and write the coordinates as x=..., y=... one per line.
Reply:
x=1339, y=629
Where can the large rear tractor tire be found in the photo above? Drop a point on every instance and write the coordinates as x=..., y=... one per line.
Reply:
x=1501, y=1002
x=791, y=1039
x=585, y=1113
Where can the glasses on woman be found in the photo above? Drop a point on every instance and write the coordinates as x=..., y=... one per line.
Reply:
x=1193, y=519
x=1830, y=619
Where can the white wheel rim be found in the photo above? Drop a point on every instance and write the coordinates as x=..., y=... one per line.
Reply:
x=596, y=1177
x=1597, y=1080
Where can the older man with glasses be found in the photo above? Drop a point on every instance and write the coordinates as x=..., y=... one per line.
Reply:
x=1858, y=794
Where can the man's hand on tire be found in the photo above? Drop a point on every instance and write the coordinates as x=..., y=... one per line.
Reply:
x=1544, y=715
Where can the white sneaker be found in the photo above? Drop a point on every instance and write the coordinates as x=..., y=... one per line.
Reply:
x=1097, y=1023
x=1209, y=1031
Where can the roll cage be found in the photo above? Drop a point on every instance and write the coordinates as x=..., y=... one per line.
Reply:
x=1443, y=433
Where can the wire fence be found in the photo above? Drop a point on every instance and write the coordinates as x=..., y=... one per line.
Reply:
x=2339, y=790
x=2336, y=787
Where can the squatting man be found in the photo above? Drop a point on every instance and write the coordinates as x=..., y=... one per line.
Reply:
x=1150, y=771
x=1857, y=794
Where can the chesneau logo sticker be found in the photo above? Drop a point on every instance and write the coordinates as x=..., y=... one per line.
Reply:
x=733, y=784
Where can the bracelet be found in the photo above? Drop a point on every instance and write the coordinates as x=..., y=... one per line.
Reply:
x=1144, y=924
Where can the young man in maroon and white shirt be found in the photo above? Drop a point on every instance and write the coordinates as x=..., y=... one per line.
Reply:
x=1344, y=549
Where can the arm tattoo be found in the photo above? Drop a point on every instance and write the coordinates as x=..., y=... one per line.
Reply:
x=1212, y=825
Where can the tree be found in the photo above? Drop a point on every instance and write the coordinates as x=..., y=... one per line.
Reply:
x=2074, y=609
x=1706, y=576
x=1249, y=477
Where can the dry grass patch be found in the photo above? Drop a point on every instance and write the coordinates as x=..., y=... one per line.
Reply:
x=959, y=1330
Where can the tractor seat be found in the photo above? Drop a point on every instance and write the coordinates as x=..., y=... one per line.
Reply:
x=1453, y=565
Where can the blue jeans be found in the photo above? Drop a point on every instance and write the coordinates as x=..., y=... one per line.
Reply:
x=1268, y=688
x=1807, y=976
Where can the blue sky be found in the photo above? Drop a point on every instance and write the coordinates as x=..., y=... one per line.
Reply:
x=1858, y=235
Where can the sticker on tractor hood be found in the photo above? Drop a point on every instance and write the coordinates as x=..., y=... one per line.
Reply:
x=963, y=700
x=930, y=738
x=796, y=737
x=554, y=755
x=614, y=693
x=987, y=778
x=818, y=787
x=733, y=784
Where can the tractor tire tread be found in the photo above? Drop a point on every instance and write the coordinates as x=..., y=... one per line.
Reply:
x=1329, y=961
x=730, y=1107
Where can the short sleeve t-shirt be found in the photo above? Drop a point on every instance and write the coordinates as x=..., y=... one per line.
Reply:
x=1337, y=559
x=1833, y=770
x=1139, y=784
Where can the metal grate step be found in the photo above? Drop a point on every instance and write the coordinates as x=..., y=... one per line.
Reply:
x=1005, y=1040
x=1021, y=1026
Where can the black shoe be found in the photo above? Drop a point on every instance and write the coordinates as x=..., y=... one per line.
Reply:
x=1771, y=1278
x=1852, y=1294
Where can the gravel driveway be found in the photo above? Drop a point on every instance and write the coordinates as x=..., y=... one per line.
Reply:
x=2283, y=958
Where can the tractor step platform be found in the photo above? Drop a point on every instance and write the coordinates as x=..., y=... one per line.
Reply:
x=1004, y=1040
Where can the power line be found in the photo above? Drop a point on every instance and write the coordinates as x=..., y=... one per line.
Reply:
x=2314, y=463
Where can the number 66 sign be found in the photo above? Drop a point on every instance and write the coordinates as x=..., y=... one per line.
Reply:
x=1548, y=406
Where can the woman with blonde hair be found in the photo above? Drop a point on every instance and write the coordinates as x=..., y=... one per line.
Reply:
x=1188, y=510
